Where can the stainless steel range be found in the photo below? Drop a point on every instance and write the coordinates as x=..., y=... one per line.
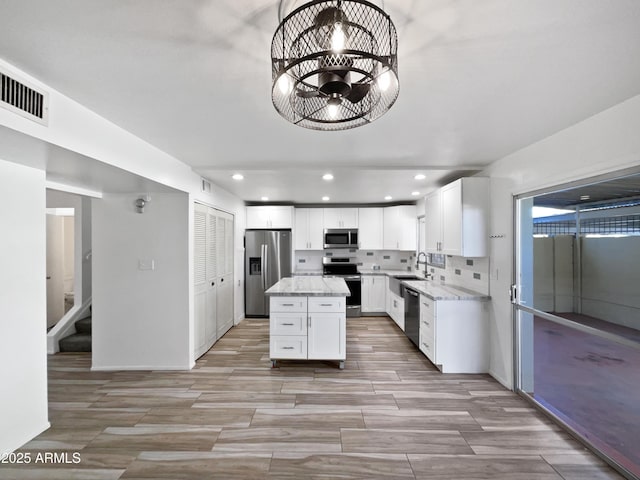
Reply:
x=346, y=268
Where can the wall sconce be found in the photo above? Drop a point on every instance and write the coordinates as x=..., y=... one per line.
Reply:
x=141, y=202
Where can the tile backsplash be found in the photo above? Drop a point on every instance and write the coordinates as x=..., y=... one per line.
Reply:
x=306, y=260
x=463, y=272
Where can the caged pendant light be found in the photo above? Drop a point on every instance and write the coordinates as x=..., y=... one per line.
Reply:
x=334, y=64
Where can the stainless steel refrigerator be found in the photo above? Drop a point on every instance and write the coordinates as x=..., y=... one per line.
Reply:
x=267, y=260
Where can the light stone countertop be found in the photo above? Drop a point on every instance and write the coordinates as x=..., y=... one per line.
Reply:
x=302, y=273
x=310, y=286
x=390, y=273
x=440, y=291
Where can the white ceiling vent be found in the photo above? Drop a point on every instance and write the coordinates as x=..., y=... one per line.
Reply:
x=24, y=99
x=206, y=186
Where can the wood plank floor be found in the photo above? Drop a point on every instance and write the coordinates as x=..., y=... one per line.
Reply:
x=388, y=415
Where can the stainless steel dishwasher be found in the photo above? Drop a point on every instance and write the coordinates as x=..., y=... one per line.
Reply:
x=411, y=314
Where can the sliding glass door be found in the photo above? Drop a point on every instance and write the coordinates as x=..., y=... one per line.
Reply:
x=577, y=312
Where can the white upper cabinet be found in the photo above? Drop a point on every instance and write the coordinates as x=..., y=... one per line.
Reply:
x=340, y=218
x=308, y=228
x=456, y=218
x=270, y=216
x=433, y=222
x=400, y=228
x=370, y=230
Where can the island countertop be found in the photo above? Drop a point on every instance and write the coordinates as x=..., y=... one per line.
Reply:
x=310, y=286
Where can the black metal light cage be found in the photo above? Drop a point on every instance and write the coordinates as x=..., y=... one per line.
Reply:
x=320, y=87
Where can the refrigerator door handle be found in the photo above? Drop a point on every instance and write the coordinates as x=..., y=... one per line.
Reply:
x=266, y=267
x=263, y=266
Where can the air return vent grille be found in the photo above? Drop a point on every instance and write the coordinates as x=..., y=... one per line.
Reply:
x=22, y=99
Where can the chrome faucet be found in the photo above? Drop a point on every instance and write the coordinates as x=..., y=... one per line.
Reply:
x=418, y=260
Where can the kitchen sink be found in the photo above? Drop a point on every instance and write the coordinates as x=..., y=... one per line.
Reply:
x=408, y=277
x=394, y=281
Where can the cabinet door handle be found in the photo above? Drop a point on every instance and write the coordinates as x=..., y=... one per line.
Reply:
x=309, y=321
x=425, y=346
x=287, y=304
x=287, y=324
x=326, y=304
x=287, y=348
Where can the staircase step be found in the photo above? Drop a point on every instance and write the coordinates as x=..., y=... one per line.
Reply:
x=78, y=342
x=83, y=325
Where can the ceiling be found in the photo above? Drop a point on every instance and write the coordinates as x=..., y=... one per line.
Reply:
x=478, y=80
x=611, y=191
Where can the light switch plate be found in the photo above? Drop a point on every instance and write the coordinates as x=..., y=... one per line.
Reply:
x=146, y=264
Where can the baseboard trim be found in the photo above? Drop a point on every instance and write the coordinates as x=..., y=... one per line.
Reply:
x=143, y=368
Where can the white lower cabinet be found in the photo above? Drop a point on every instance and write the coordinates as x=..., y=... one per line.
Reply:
x=454, y=334
x=374, y=294
x=311, y=328
x=396, y=308
x=395, y=305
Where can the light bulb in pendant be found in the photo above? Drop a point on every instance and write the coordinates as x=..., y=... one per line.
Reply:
x=384, y=80
x=332, y=108
x=284, y=84
x=337, y=38
x=333, y=105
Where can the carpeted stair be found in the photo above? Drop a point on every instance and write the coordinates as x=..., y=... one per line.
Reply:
x=79, y=341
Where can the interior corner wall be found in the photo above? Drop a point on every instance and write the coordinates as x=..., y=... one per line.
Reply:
x=23, y=345
x=603, y=143
x=141, y=315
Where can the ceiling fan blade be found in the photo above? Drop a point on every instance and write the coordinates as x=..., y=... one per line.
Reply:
x=308, y=93
x=358, y=92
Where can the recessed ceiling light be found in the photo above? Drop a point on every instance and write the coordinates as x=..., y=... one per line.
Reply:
x=327, y=177
x=237, y=176
x=415, y=194
x=585, y=197
x=420, y=176
x=264, y=199
x=325, y=199
x=388, y=197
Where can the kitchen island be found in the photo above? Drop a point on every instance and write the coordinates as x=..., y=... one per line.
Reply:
x=307, y=319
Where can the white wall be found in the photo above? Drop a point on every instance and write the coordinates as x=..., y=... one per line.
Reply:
x=23, y=363
x=78, y=129
x=610, y=279
x=141, y=317
x=603, y=143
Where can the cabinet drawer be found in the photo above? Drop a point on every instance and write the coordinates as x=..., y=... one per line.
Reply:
x=288, y=304
x=427, y=307
x=427, y=346
x=427, y=326
x=327, y=304
x=288, y=324
x=281, y=346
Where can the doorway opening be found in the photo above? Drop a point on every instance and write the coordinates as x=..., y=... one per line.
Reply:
x=577, y=311
x=60, y=263
x=68, y=272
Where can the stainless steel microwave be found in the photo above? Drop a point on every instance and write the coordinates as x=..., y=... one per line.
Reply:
x=340, y=238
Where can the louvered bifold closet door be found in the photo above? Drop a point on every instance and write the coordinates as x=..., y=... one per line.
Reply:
x=211, y=323
x=228, y=246
x=225, y=272
x=200, y=235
